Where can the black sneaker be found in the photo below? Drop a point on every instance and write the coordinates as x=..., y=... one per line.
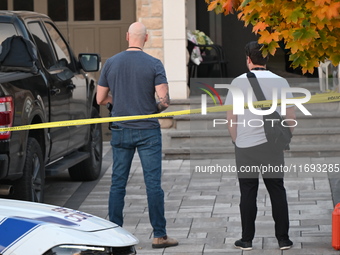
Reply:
x=285, y=244
x=246, y=246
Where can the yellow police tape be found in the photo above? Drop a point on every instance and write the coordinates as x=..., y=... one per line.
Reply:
x=319, y=98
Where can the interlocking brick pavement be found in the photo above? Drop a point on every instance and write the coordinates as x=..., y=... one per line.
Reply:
x=202, y=209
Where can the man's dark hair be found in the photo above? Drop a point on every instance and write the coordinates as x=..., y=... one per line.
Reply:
x=253, y=50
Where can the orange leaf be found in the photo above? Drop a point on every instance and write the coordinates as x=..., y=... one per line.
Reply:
x=275, y=36
x=311, y=63
x=259, y=26
x=321, y=12
x=267, y=37
x=321, y=2
x=310, y=28
x=240, y=15
x=294, y=47
x=288, y=33
x=320, y=25
x=212, y=5
x=310, y=5
x=332, y=11
x=228, y=7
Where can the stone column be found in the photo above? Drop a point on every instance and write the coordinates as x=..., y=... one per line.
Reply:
x=166, y=23
x=150, y=13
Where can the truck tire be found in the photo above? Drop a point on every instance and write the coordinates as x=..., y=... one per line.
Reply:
x=30, y=186
x=90, y=168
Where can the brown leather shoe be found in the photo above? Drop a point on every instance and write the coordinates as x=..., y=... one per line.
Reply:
x=163, y=242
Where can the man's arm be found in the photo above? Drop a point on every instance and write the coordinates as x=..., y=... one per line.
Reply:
x=103, y=96
x=232, y=127
x=290, y=114
x=162, y=92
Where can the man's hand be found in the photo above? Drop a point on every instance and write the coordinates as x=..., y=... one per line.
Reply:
x=103, y=96
x=290, y=115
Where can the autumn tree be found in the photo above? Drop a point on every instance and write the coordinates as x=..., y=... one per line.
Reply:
x=310, y=29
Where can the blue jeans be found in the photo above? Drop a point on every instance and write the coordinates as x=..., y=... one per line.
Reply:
x=148, y=143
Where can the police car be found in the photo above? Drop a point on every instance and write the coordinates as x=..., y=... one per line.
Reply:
x=28, y=228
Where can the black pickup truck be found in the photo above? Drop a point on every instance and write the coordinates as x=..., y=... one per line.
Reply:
x=59, y=89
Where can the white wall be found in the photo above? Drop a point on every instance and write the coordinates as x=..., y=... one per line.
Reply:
x=175, y=61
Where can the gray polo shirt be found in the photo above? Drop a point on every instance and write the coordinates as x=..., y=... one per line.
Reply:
x=132, y=77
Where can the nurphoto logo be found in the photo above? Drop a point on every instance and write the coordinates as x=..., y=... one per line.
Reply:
x=239, y=100
x=204, y=97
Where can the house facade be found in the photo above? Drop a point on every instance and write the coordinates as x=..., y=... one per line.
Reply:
x=100, y=26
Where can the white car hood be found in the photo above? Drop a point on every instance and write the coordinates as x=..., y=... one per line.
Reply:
x=35, y=226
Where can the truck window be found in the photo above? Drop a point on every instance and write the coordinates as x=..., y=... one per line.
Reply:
x=59, y=44
x=44, y=48
x=7, y=30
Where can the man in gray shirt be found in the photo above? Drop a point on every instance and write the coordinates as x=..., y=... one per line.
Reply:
x=133, y=77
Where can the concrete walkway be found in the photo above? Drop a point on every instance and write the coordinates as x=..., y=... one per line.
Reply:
x=202, y=208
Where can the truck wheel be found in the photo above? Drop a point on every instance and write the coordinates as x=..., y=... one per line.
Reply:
x=30, y=186
x=90, y=168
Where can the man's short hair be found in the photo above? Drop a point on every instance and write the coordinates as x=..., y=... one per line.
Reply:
x=253, y=51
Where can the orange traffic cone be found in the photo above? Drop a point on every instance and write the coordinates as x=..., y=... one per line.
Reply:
x=336, y=227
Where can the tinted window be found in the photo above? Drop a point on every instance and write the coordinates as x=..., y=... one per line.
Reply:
x=57, y=10
x=59, y=44
x=110, y=9
x=83, y=10
x=3, y=5
x=26, y=5
x=42, y=44
x=7, y=30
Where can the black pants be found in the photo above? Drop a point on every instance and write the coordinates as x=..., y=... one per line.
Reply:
x=257, y=157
